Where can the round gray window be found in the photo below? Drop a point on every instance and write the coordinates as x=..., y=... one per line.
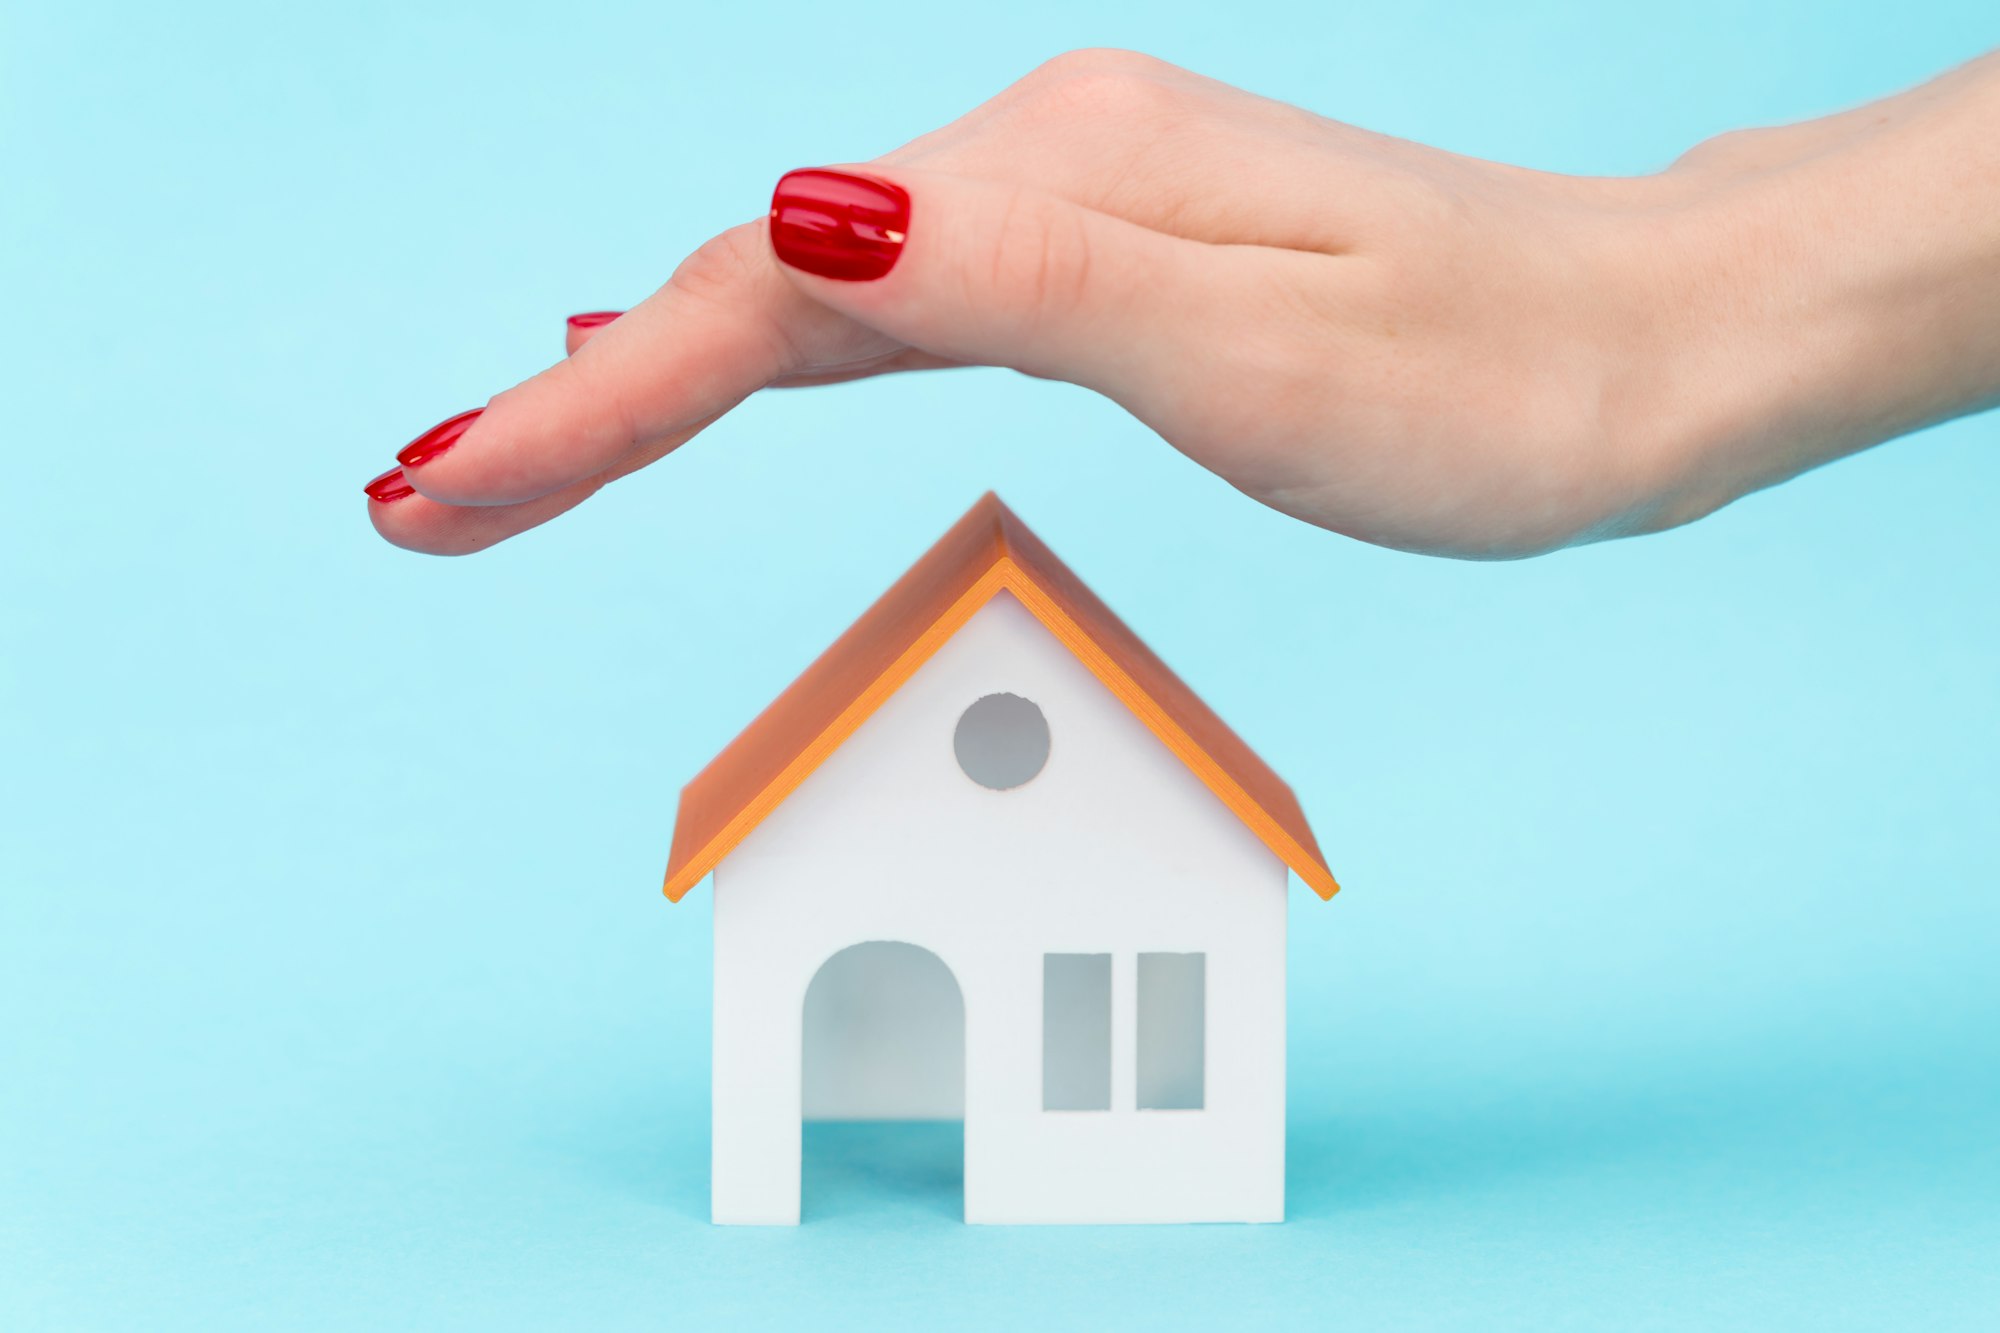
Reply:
x=1001, y=741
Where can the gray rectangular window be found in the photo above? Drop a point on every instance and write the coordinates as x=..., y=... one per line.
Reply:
x=1076, y=1032
x=1172, y=1017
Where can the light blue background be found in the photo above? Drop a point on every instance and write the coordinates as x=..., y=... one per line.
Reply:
x=335, y=984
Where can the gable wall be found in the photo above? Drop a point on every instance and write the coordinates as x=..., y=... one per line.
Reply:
x=1115, y=847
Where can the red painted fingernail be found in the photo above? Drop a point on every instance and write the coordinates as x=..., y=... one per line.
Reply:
x=437, y=439
x=839, y=225
x=593, y=319
x=390, y=487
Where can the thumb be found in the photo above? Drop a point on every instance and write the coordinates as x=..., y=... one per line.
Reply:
x=995, y=274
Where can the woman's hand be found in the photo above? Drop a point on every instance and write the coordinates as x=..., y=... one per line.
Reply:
x=1410, y=347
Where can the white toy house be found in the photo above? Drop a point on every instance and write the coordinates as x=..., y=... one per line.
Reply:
x=988, y=858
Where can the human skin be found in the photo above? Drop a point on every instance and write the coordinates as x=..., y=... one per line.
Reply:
x=1413, y=348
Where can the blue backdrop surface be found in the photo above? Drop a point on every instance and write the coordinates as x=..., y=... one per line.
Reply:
x=335, y=985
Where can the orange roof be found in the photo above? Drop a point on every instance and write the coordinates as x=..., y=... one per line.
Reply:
x=987, y=550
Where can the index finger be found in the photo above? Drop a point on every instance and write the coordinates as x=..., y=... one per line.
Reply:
x=725, y=325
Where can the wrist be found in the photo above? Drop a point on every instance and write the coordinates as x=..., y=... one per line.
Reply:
x=1814, y=291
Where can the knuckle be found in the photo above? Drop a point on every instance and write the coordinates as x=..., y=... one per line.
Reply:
x=722, y=265
x=1042, y=263
x=1097, y=60
x=734, y=271
x=1099, y=82
x=591, y=410
x=1116, y=97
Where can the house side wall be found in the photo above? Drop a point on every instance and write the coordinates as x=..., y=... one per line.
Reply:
x=1116, y=847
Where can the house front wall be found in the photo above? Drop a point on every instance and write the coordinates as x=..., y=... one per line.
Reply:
x=1115, y=848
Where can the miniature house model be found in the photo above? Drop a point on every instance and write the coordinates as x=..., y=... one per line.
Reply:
x=988, y=858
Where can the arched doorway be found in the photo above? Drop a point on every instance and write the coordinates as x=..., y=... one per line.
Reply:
x=883, y=1090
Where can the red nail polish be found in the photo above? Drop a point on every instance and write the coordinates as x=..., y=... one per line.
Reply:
x=839, y=225
x=437, y=439
x=594, y=319
x=389, y=487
